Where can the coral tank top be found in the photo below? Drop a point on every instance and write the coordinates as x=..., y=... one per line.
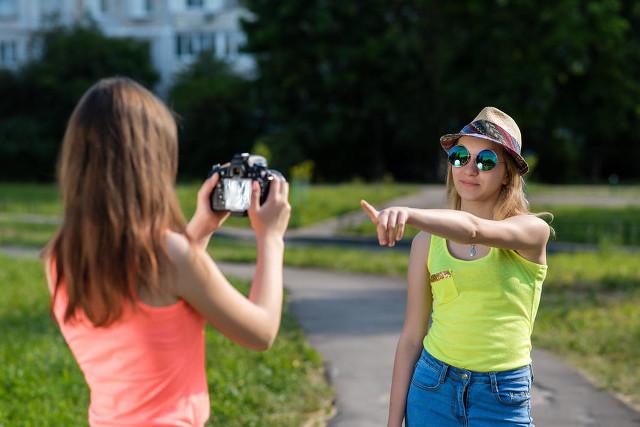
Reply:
x=146, y=369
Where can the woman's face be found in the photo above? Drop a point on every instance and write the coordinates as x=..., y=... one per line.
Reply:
x=473, y=184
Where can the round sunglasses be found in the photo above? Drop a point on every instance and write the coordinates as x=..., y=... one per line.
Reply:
x=459, y=156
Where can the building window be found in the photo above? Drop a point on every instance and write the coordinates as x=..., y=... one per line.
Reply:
x=193, y=4
x=140, y=9
x=221, y=44
x=8, y=53
x=8, y=8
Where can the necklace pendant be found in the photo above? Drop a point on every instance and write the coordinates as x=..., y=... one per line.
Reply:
x=473, y=251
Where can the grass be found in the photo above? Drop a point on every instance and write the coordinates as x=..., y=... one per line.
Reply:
x=584, y=224
x=589, y=313
x=590, y=303
x=31, y=199
x=42, y=385
x=16, y=233
x=383, y=261
x=575, y=224
x=310, y=204
x=535, y=189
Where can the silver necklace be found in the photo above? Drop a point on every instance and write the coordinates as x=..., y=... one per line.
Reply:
x=473, y=251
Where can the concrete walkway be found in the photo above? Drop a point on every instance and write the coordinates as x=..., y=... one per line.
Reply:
x=354, y=321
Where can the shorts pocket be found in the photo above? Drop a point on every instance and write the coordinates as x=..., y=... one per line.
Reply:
x=513, y=392
x=426, y=376
x=443, y=287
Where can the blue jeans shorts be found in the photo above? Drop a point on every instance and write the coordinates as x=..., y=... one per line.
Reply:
x=442, y=395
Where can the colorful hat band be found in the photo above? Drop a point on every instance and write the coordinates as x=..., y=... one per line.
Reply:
x=492, y=131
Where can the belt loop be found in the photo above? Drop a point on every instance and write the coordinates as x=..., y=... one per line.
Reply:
x=443, y=372
x=494, y=382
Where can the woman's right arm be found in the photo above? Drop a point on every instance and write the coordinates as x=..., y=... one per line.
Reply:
x=251, y=322
x=414, y=329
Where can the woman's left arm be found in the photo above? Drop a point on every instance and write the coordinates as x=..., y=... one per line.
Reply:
x=522, y=232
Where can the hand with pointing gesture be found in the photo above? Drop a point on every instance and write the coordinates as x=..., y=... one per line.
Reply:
x=390, y=222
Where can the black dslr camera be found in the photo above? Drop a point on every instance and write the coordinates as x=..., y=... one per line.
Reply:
x=233, y=190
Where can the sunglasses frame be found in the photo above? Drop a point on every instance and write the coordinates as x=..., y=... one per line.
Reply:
x=470, y=157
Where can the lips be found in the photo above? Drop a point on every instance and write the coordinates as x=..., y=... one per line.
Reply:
x=471, y=184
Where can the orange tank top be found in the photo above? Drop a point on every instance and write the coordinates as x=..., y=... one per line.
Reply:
x=146, y=369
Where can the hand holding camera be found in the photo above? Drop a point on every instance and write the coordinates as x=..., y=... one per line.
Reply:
x=246, y=186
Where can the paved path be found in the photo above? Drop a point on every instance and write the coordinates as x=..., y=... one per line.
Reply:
x=354, y=321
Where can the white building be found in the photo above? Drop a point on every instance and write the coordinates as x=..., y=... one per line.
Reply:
x=177, y=30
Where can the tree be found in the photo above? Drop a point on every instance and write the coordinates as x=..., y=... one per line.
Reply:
x=365, y=88
x=217, y=115
x=45, y=91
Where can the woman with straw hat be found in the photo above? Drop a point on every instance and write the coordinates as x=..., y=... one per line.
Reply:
x=474, y=281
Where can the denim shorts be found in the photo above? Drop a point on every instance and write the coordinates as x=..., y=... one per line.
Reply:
x=442, y=395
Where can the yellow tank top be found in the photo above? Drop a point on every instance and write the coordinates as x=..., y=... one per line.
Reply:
x=484, y=309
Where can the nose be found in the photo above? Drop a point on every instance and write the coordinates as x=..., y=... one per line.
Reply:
x=471, y=168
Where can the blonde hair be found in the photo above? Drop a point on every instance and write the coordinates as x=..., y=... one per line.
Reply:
x=512, y=200
x=116, y=173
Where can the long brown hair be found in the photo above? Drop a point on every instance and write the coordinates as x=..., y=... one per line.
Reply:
x=512, y=200
x=116, y=174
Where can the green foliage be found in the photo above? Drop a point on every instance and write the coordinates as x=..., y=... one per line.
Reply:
x=38, y=100
x=262, y=149
x=367, y=88
x=42, y=384
x=218, y=117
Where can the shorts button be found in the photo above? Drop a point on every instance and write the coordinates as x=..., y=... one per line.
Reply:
x=465, y=376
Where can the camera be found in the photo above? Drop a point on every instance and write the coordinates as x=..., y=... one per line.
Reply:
x=233, y=190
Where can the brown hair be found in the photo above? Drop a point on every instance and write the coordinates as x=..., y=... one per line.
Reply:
x=116, y=173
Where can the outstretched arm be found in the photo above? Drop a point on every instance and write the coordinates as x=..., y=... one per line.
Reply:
x=522, y=232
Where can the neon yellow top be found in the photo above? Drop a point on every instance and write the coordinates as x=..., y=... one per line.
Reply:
x=483, y=309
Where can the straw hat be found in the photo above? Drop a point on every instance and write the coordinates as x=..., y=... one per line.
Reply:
x=493, y=125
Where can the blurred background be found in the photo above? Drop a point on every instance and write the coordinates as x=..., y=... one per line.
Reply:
x=361, y=89
x=348, y=100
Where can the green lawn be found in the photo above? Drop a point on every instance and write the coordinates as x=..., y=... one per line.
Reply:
x=42, y=385
x=589, y=313
x=595, y=191
x=310, y=204
x=32, y=199
x=590, y=309
x=575, y=224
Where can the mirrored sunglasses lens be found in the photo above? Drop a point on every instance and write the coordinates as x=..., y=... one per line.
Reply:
x=486, y=160
x=458, y=156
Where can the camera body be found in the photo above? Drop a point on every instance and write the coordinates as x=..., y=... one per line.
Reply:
x=233, y=190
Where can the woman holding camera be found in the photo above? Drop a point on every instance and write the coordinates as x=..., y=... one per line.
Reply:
x=474, y=281
x=132, y=284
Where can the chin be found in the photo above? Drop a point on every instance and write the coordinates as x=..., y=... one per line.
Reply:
x=468, y=192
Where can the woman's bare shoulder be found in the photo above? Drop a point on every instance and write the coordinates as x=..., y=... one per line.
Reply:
x=421, y=241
